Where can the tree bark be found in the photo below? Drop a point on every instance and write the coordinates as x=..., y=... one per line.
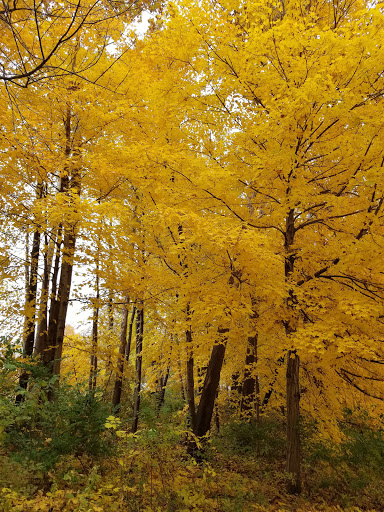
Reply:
x=293, y=375
x=130, y=331
x=122, y=352
x=139, y=349
x=293, y=415
x=30, y=306
x=162, y=387
x=95, y=335
x=42, y=326
x=190, y=380
x=210, y=386
x=249, y=406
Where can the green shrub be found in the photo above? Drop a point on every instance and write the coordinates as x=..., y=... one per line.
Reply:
x=265, y=438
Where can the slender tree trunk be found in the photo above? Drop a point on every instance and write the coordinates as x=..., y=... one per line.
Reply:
x=162, y=385
x=210, y=386
x=49, y=353
x=293, y=376
x=42, y=326
x=30, y=306
x=95, y=335
x=29, y=335
x=64, y=292
x=139, y=349
x=293, y=415
x=190, y=380
x=249, y=407
x=183, y=393
x=122, y=351
x=110, y=331
x=130, y=330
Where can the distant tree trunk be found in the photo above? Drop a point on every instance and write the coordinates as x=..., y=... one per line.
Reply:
x=210, y=386
x=130, y=330
x=95, y=334
x=122, y=352
x=249, y=407
x=139, y=349
x=190, y=380
x=42, y=326
x=183, y=394
x=110, y=332
x=162, y=387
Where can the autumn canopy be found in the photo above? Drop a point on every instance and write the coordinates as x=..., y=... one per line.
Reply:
x=207, y=188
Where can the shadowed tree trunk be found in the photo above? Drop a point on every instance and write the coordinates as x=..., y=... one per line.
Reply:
x=30, y=308
x=70, y=185
x=48, y=353
x=139, y=349
x=122, y=351
x=249, y=406
x=190, y=380
x=130, y=331
x=95, y=334
x=42, y=326
x=292, y=376
x=162, y=385
x=293, y=415
x=210, y=386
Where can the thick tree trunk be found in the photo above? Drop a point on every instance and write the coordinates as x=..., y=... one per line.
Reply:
x=70, y=186
x=122, y=352
x=63, y=295
x=139, y=349
x=210, y=386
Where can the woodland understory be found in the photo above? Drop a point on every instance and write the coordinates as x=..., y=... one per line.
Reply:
x=203, y=181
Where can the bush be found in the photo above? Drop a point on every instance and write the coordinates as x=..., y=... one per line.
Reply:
x=265, y=438
x=40, y=431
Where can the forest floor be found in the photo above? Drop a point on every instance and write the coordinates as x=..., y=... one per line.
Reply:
x=242, y=470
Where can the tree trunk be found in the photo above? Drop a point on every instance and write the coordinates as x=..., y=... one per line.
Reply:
x=293, y=374
x=162, y=385
x=63, y=295
x=95, y=335
x=210, y=386
x=70, y=186
x=249, y=407
x=190, y=380
x=139, y=349
x=48, y=354
x=129, y=340
x=293, y=415
x=42, y=326
x=30, y=306
x=122, y=351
